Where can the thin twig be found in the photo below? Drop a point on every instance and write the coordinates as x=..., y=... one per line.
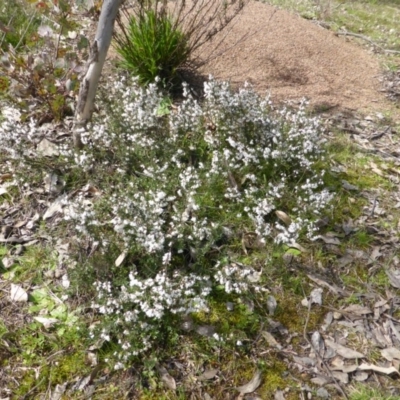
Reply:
x=58, y=43
x=363, y=37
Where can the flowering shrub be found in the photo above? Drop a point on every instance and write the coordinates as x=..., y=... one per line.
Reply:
x=177, y=191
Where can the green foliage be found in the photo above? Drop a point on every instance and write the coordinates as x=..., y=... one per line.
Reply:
x=153, y=46
x=18, y=24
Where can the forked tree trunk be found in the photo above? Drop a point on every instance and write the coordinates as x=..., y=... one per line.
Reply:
x=98, y=52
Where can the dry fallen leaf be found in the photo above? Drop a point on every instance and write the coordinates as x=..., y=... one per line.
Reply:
x=328, y=319
x=322, y=393
x=334, y=289
x=7, y=262
x=208, y=374
x=305, y=361
x=58, y=392
x=380, y=337
x=297, y=246
x=338, y=364
x=5, y=177
x=357, y=310
x=283, y=217
x=46, y=322
x=391, y=353
x=341, y=376
x=250, y=240
x=82, y=383
x=17, y=293
x=205, y=330
x=53, y=183
x=360, y=376
x=376, y=253
x=317, y=343
x=91, y=359
x=394, y=277
x=47, y=148
x=271, y=305
x=321, y=380
x=374, y=168
x=252, y=385
x=316, y=296
x=167, y=379
x=343, y=351
x=55, y=207
x=271, y=340
x=330, y=239
x=348, y=186
x=120, y=259
x=279, y=395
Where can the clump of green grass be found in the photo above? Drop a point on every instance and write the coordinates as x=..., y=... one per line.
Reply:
x=365, y=392
x=152, y=46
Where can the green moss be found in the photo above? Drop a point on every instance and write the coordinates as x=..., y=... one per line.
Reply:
x=292, y=315
x=62, y=369
x=226, y=322
x=275, y=378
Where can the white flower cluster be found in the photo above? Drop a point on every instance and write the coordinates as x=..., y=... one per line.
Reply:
x=16, y=137
x=141, y=305
x=236, y=278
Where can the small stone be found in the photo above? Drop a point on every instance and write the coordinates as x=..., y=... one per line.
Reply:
x=304, y=302
x=337, y=315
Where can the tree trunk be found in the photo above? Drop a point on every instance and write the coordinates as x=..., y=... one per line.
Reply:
x=98, y=53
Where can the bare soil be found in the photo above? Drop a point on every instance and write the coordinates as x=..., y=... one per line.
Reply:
x=292, y=58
